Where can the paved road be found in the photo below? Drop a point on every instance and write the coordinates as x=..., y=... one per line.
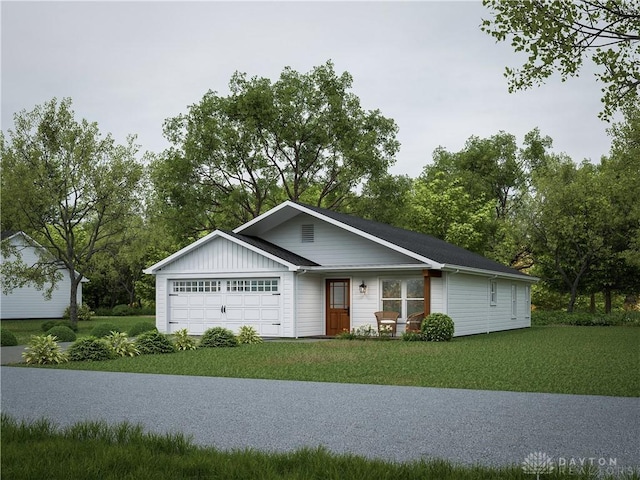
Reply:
x=393, y=423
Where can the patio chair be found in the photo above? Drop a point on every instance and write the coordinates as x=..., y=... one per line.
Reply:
x=414, y=322
x=388, y=321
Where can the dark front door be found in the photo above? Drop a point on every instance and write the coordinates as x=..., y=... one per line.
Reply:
x=338, y=306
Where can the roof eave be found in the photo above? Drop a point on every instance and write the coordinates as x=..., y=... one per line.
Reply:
x=489, y=273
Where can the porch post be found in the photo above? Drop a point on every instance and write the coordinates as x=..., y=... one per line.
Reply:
x=428, y=274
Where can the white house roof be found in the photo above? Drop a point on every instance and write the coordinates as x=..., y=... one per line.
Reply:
x=431, y=252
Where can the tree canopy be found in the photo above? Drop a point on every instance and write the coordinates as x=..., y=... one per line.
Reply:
x=304, y=137
x=68, y=187
x=558, y=36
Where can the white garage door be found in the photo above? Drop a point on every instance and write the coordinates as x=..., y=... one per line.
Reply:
x=231, y=303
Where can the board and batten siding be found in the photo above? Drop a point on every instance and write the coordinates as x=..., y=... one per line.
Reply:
x=332, y=245
x=468, y=304
x=221, y=254
x=27, y=302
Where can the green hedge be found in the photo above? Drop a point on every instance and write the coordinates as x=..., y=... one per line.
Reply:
x=554, y=317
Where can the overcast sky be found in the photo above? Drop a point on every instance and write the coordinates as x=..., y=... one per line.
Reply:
x=427, y=65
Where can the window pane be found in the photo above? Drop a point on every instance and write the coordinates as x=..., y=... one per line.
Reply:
x=415, y=306
x=391, y=289
x=392, y=306
x=415, y=288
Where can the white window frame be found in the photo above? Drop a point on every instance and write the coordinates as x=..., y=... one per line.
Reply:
x=246, y=285
x=493, y=292
x=514, y=300
x=403, y=294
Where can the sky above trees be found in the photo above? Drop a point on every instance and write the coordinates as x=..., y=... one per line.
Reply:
x=427, y=65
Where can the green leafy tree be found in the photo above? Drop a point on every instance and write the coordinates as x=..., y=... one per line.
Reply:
x=558, y=36
x=569, y=223
x=304, y=137
x=68, y=187
x=443, y=208
x=386, y=199
x=492, y=172
x=617, y=270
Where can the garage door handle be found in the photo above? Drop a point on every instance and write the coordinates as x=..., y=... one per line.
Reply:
x=223, y=309
x=275, y=324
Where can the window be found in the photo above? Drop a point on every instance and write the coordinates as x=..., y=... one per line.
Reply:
x=527, y=301
x=514, y=301
x=403, y=296
x=252, y=285
x=493, y=292
x=196, y=286
x=307, y=233
x=209, y=286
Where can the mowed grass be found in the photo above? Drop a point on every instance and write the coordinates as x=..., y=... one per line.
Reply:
x=95, y=450
x=24, y=329
x=575, y=360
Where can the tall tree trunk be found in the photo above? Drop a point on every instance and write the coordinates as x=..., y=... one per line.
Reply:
x=73, y=300
x=592, y=303
x=607, y=301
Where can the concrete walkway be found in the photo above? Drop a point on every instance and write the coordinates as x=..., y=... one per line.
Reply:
x=387, y=422
x=14, y=354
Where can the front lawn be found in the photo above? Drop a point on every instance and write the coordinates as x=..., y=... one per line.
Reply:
x=24, y=329
x=576, y=360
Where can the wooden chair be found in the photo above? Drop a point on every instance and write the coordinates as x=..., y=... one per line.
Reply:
x=388, y=321
x=414, y=322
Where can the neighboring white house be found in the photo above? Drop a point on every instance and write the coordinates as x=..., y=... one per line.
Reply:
x=27, y=301
x=299, y=271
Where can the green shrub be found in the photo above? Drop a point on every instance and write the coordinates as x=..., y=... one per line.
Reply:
x=437, y=327
x=346, y=335
x=121, y=345
x=412, y=337
x=84, y=312
x=365, y=331
x=64, y=334
x=7, y=338
x=248, y=335
x=122, y=311
x=151, y=310
x=102, y=311
x=90, y=349
x=150, y=343
x=46, y=326
x=142, y=327
x=218, y=337
x=182, y=340
x=104, y=329
x=584, y=319
x=43, y=350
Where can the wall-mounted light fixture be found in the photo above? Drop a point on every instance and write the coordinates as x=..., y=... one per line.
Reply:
x=363, y=287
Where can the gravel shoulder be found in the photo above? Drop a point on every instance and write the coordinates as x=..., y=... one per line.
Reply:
x=386, y=422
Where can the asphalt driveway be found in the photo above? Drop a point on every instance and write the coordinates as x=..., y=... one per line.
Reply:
x=392, y=423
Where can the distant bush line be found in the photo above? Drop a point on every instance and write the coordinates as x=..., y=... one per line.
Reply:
x=124, y=311
x=622, y=318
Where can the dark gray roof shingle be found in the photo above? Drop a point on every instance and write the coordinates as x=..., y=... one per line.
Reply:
x=275, y=250
x=419, y=243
